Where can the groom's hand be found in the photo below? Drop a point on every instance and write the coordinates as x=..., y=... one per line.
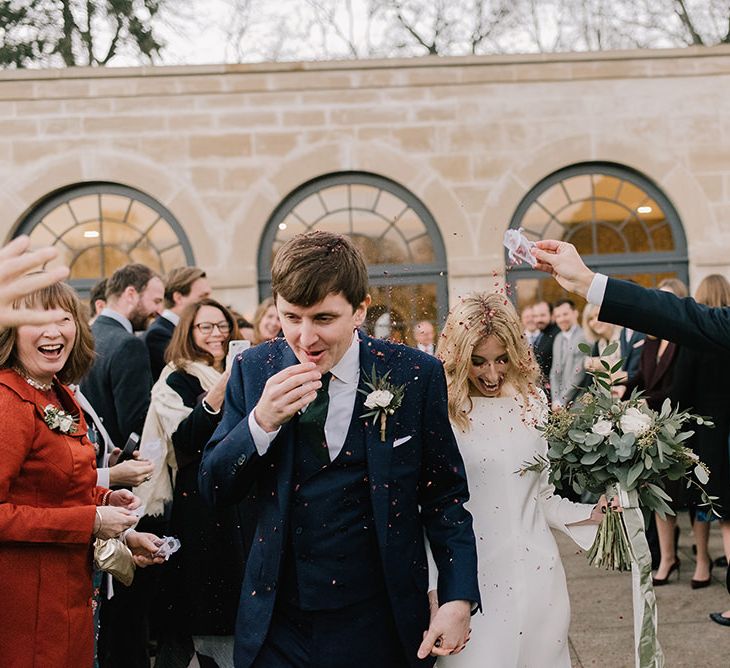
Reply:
x=562, y=260
x=286, y=393
x=449, y=630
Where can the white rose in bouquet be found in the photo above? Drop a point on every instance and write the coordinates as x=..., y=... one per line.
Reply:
x=602, y=427
x=633, y=420
x=379, y=399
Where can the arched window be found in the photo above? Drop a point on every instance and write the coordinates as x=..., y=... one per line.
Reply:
x=99, y=227
x=396, y=233
x=620, y=222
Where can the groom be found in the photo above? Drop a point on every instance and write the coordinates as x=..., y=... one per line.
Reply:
x=337, y=573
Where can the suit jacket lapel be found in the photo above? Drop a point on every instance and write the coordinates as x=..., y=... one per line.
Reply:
x=378, y=453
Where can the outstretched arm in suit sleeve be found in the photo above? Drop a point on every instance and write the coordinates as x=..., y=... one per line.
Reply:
x=131, y=381
x=666, y=316
x=443, y=492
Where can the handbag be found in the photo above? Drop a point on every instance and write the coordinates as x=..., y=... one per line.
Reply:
x=112, y=556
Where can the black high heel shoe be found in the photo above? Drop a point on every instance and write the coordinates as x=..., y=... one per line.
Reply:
x=720, y=619
x=658, y=582
x=701, y=584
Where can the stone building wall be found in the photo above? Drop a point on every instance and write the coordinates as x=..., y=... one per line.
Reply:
x=221, y=146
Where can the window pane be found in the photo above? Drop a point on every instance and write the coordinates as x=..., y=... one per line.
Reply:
x=141, y=216
x=662, y=237
x=60, y=220
x=335, y=198
x=115, y=207
x=535, y=218
x=384, y=223
x=87, y=264
x=162, y=236
x=85, y=208
x=606, y=187
x=395, y=310
x=311, y=209
x=388, y=230
x=389, y=206
x=337, y=223
x=363, y=197
x=605, y=214
x=95, y=247
x=369, y=224
x=579, y=187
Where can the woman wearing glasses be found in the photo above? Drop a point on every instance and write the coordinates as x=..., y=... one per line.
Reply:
x=201, y=583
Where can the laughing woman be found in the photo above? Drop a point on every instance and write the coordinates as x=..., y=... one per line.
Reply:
x=201, y=584
x=50, y=506
x=494, y=406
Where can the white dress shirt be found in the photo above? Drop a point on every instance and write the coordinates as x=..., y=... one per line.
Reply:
x=173, y=317
x=342, y=392
x=597, y=291
x=124, y=322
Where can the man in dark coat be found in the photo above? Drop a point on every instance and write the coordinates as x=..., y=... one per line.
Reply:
x=118, y=388
x=183, y=286
x=543, y=343
x=348, y=481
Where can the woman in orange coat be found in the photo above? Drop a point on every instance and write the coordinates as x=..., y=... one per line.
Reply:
x=50, y=507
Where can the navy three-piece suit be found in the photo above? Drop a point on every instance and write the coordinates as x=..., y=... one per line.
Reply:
x=347, y=536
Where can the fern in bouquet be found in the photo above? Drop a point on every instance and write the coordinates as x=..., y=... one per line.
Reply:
x=601, y=444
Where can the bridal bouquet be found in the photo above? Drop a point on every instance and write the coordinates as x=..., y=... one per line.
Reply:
x=602, y=444
x=623, y=448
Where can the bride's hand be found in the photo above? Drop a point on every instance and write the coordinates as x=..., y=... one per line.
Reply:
x=433, y=603
x=601, y=508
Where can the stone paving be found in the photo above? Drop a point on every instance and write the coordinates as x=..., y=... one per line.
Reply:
x=601, y=632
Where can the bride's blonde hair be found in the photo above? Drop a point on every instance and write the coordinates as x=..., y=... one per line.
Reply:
x=472, y=319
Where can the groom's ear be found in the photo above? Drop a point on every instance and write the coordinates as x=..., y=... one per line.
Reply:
x=361, y=311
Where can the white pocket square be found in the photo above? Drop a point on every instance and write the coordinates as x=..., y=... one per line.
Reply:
x=401, y=441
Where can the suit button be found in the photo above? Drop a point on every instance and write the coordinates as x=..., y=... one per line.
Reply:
x=241, y=460
x=298, y=531
x=340, y=557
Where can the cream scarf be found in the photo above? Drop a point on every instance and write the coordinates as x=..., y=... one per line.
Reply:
x=165, y=414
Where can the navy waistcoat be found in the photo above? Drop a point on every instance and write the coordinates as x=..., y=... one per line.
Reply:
x=331, y=557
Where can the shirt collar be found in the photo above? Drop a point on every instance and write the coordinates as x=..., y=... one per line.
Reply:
x=124, y=322
x=347, y=370
x=173, y=317
x=570, y=332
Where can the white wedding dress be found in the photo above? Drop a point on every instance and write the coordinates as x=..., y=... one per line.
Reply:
x=526, y=610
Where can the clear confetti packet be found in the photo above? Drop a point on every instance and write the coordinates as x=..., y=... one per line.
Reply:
x=169, y=546
x=519, y=247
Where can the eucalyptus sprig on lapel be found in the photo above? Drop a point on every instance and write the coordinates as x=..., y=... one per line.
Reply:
x=382, y=398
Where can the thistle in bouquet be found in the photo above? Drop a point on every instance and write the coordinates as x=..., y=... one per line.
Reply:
x=602, y=444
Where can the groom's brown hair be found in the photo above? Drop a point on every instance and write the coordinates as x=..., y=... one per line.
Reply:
x=311, y=266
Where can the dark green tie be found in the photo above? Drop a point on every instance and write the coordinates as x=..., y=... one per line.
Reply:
x=311, y=422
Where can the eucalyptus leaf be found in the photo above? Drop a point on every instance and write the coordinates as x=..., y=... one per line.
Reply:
x=610, y=349
x=634, y=472
x=590, y=458
x=577, y=436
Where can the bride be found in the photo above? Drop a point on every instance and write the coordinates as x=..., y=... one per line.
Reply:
x=494, y=407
